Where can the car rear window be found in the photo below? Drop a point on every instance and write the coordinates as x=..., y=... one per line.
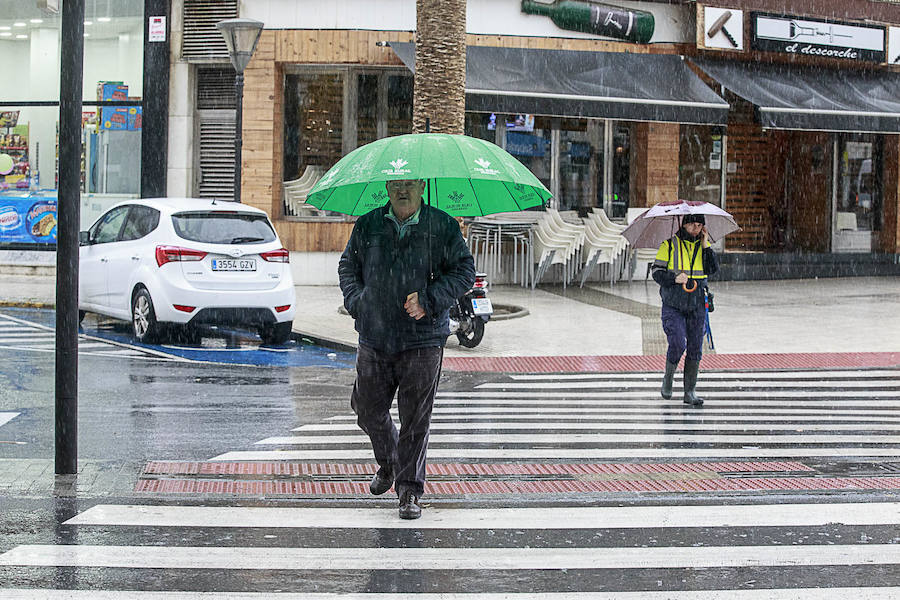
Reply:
x=223, y=227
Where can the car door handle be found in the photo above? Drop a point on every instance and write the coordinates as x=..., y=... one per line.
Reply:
x=104, y=259
x=135, y=258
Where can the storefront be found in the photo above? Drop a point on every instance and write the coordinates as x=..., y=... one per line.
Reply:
x=612, y=123
x=112, y=117
x=599, y=120
x=811, y=163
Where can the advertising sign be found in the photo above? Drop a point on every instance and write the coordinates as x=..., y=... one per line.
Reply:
x=893, y=45
x=818, y=37
x=723, y=28
x=28, y=219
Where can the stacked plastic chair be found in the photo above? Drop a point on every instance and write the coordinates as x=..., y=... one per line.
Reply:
x=557, y=242
x=605, y=245
x=640, y=255
x=296, y=190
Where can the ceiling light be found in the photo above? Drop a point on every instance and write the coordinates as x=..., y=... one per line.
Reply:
x=88, y=22
x=87, y=35
x=104, y=19
x=21, y=36
x=5, y=27
x=18, y=24
x=5, y=34
x=36, y=21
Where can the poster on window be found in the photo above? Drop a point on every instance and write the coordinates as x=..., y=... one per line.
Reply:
x=26, y=219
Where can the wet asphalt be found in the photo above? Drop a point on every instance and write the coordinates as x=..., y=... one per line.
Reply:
x=137, y=409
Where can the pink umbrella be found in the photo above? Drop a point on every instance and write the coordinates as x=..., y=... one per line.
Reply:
x=659, y=223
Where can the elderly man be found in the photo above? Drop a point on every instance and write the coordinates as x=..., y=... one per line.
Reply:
x=405, y=264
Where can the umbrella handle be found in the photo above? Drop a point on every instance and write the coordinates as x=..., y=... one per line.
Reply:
x=684, y=285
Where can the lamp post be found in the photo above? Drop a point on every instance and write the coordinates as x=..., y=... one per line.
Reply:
x=241, y=37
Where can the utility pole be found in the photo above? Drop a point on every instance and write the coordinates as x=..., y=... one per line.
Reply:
x=69, y=217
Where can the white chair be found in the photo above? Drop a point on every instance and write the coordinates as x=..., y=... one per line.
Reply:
x=296, y=190
x=634, y=213
x=549, y=252
x=846, y=221
x=600, y=250
x=607, y=223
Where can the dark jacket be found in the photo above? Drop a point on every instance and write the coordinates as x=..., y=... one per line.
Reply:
x=672, y=294
x=378, y=270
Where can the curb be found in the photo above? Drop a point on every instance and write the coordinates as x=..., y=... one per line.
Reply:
x=27, y=304
x=323, y=341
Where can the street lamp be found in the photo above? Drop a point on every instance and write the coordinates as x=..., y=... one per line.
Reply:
x=241, y=37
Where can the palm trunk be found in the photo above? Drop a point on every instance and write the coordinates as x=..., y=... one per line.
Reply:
x=440, y=81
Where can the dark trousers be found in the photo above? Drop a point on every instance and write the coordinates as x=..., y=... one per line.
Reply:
x=413, y=375
x=684, y=331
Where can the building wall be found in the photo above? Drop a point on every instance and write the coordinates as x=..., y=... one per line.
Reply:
x=888, y=239
x=263, y=115
x=656, y=163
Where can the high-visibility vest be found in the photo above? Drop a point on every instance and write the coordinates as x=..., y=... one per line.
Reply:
x=675, y=255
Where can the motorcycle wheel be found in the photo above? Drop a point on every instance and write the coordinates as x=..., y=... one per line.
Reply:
x=472, y=337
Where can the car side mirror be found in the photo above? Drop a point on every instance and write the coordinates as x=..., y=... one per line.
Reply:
x=84, y=238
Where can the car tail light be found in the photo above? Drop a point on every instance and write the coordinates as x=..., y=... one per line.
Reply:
x=481, y=281
x=166, y=254
x=282, y=255
x=184, y=308
x=282, y=308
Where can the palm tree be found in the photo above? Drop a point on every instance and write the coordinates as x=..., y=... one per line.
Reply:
x=440, y=82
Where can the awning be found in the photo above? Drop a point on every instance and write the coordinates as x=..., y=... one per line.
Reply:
x=798, y=97
x=567, y=83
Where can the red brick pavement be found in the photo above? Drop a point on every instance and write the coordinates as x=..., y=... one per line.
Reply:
x=590, y=364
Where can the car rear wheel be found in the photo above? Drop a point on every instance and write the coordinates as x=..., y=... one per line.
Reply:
x=275, y=333
x=144, y=325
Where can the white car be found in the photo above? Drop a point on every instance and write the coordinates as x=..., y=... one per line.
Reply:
x=167, y=263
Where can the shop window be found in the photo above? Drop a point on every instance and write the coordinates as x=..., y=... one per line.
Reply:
x=528, y=138
x=328, y=113
x=859, y=191
x=482, y=126
x=580, y=165
x=621, y=158
x=700, y=164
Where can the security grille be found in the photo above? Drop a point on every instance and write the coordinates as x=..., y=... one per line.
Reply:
x=202, y=41
x=215, y=88
x=216, y=158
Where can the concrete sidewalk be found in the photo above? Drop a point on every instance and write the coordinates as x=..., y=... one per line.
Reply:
x=786, y=316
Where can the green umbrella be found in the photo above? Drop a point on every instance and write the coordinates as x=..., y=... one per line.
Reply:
x=466, y=177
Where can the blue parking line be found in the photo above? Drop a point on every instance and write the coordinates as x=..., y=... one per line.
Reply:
x=223, y=346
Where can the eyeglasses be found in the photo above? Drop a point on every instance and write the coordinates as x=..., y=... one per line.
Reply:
x=408, y=184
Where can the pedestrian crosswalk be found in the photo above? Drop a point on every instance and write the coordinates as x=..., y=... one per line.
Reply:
x=680, y=519
x=620, y=416
x=21, y=335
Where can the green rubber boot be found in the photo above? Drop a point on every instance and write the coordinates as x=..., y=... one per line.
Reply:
x=691, y=370
x=666, y=390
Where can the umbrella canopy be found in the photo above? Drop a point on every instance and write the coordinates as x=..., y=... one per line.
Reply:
x=466, y=177
x=659, y=223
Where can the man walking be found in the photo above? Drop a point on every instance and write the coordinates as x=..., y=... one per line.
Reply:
x=405, y=264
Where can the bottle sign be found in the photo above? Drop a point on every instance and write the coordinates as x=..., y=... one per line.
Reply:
x=593, y=17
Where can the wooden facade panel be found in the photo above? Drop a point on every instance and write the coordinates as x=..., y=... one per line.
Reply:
x=888, y=239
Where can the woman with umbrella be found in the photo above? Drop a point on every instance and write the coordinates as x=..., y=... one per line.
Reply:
x=682, y=231
x=681, y=268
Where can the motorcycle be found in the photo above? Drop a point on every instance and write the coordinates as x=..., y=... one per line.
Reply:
x=471, y=311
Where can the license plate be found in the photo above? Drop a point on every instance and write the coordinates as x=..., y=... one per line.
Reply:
x=231, y=264
x=482, y=306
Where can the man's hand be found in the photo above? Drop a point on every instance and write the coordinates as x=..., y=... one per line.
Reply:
x=412, y=306
x=704, y=237
x=681, y=278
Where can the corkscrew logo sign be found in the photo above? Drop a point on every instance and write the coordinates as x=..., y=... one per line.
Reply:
x=724, y=28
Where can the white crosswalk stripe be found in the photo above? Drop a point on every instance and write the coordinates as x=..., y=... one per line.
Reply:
x=19, y=334
x=599, y=548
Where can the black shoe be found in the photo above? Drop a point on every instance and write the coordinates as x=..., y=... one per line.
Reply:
x=409, y=506
x=382, y=481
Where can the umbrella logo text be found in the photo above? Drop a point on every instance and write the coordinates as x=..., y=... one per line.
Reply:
x=398, y=169
x=483, y=167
